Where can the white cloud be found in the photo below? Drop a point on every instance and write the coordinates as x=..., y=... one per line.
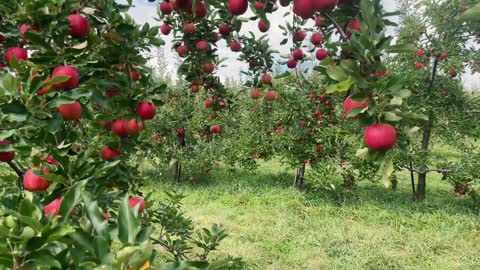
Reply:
x=145, y=12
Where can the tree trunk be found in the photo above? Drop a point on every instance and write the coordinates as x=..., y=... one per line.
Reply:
x=300, y=177
x=177, y=171
x=422, y=176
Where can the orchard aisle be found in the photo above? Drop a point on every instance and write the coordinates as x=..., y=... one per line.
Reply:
x=273, y=226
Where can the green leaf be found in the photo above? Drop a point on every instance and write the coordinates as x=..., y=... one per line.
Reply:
x=42, y=258
x=472, y=13
x=77, y=93
x=387, y=170
x=128, y=223
x=341, y=87
x=410, y=132
x=27, y=208
x=4, y=134
x=402, y=48
x=98, y=221
x=396, y=101
x=55, y=123
x=355, y=111
x=412, y=115
x=60, y=100
x=71, y=199
x=391, y=116
x=336, y=73
x=60, y=232
x=362, y=153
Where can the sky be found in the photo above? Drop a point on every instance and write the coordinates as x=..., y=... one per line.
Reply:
x=145, y=12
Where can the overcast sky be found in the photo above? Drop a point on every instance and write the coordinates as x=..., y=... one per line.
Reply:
x=145, y=11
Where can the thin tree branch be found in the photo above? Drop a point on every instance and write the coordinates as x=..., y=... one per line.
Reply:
x=339, y=28
x=425, y=171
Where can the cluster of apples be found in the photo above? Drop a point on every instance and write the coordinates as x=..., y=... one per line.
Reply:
x=270, y=95
x=378, y=137
x=440, y=56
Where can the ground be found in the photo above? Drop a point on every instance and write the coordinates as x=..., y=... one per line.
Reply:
x=275, y=227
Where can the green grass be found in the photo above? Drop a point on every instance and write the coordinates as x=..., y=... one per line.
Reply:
x=273, y=226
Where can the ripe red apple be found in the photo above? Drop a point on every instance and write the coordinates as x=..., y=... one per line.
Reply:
x=119, y=127
x=452, y=72
x=420, y=53
x=444, y=56
x=263, y=26
x=324, y=5
x=134, y=75
x=255, y=94
x=321, y=54
x=53, y=161
x=353, y=25
x=19, y=53
x=208, y=68
x=235, y=46
x=201, y=10
x=297, y=54
x=182, y=50
x=237, y=7
x=24, y=28
x=292, y=63
x=79, y=26
x=165, y=29
x=189, y=28
x=185, y=5
x=215, y=38
x=303, y=8
x=267, y=78
x=225, y=29
x=146, y=110
x=72, y=111
x=134, y=201
x=271, y=95
x=134, y=127
x=208, y=102
x=202, y=45
x=33, y=182
x=109, y=154
x=259, y=5
x=349, y=104
x=316, y=39
x=299, y=36
x=195, y=88
x=155, y=136
x=53, y=207
x=6, y=156
x=166, y=8
x=70, y=71
x=418, y=65
x=380, y=137
x=319, y=21
x=180, y=132
x=215, y=129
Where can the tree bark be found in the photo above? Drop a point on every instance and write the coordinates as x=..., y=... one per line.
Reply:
x=300, y=177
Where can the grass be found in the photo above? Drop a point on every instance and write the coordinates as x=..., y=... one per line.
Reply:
x=275, y=227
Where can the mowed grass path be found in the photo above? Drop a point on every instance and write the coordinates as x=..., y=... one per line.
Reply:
x=273, y=226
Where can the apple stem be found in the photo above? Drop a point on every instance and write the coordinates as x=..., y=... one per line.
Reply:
x=339, y=28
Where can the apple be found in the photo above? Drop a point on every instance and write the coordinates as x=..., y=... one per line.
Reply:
x=134, y=201
x=353, y=25
x=33, y=182
x=119, y=127
x=182, y=50
x=420, y=53
x=263, y=26
x=255, y=94
x=146, y=110
x=267, y=78
x=271, y=95
x=202, y=45
x=79, y=26
x=155, y=136
x=19, y=53
x=324, y=5
x=72, y=111
x=292, y=63
x=166, y=8
x=297, y=54
x=208, y=102
x=186, y=5
x=259, y=5
x=6, y=156
x=316, y=39
x=201, y=10
x=299, y=36
x=109, y=154
x=418, y=65
x=112, y=91
x=349, y=104
x=444, y=93
x=452, y=72
x=444, y=56
x=319, y=21
x=165, y=29
x=53, y=207
x=225, y=29
x=303, y=8
x=189, y=28
x=380, y=137
x=195, y=88
x=320, y=147
x=215, y=38
x=321, y=54
x=208, y=68
x=53, y=161
x=215, y=129
x=70, y=71
x=235, y=46
x=237, y=7
x=180, y=132
x=24, y=28
x=344, y=2
x=134, y=75
x=134, y=127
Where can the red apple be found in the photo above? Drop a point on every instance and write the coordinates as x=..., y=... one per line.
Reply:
x=215, y=129
x=237, y=7
x=255, y=94
x=155, y=136
x=182, y=50
x=33, y=182
x=420, y=53
x=225, y=29
x=208, y=102
x=271, y=95
x=267, y=78
x=146, y=110
x=208, y=68
x=112, y=91
x=119, y=127
x=53, y=207
x=299, y=36
x=380, y=137
x=195, y=88
x=321, y=54
x=6, y=156
x=134, y=201
x=418, y=65
x=79, y=26
x=24, y=28
x=353, y=25
x=109, y=154
x=202, y=45
x=316, y=39
x=349, y=104
x=297, y=54
x=165, y=29
x=19, y=53
x=235, y=46
x=292, y=63
x=444, y=56
x=201, y=10
x=189, y=28
x=70, y=71
x=53, y=161
x=324, y=5
x=259, y=5
x=263, y=26
x=134, y=127
x=134, y=75
x=319, y=21
x=72, y=111
x=452, y=72
x=166, y=8
x=303, y=8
